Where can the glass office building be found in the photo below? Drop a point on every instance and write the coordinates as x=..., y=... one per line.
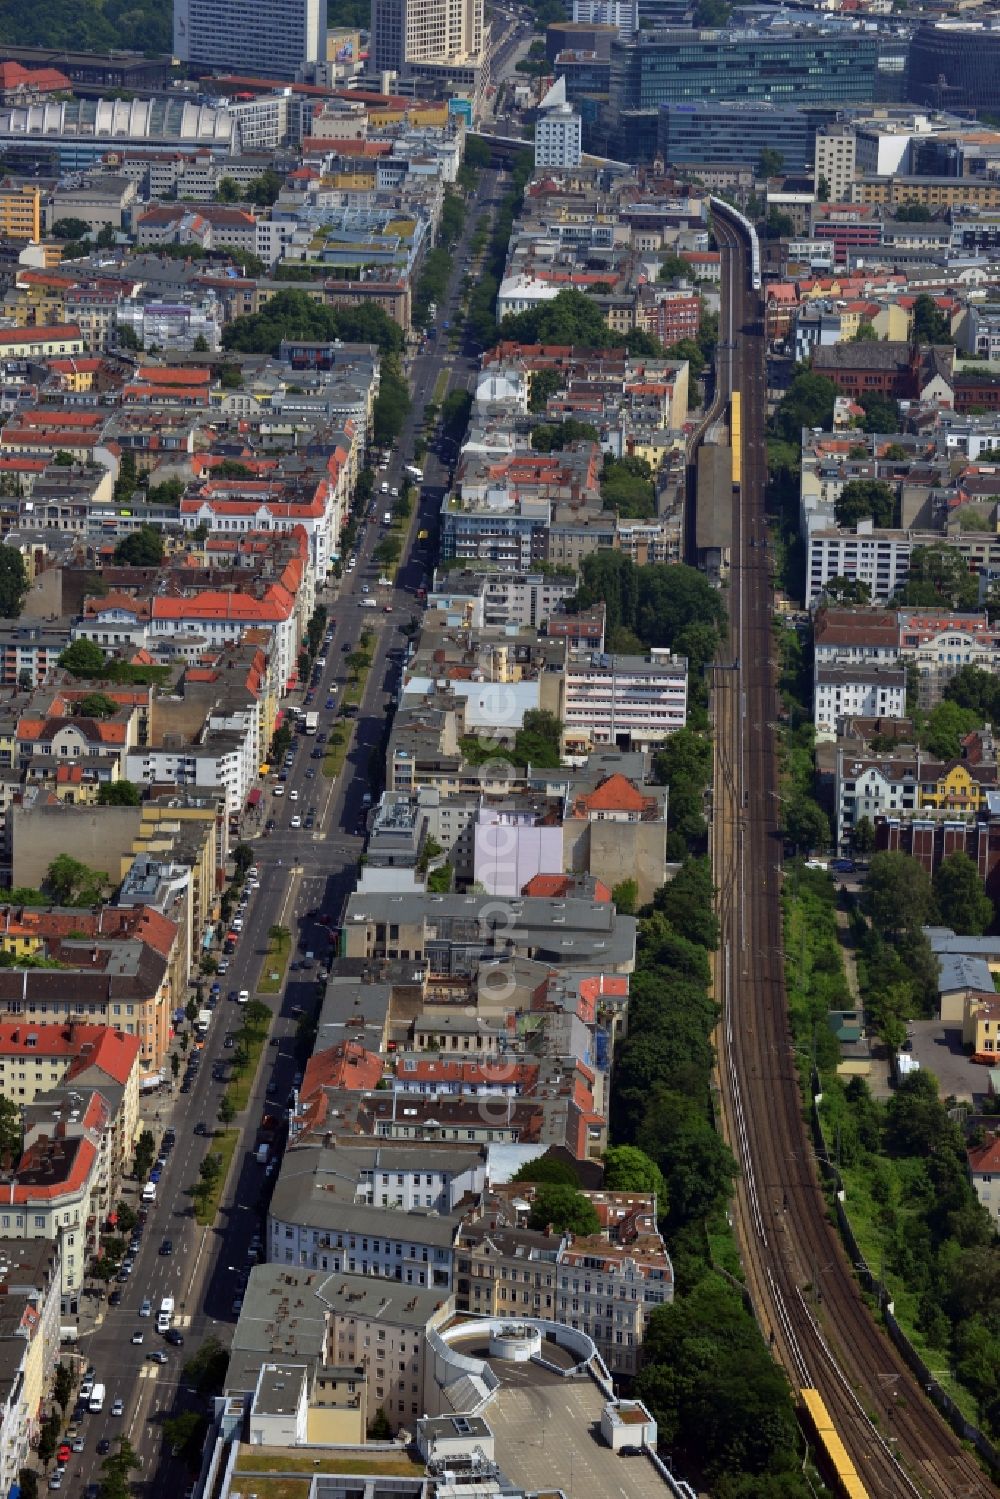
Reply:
x=776, y=65
x=724, y=132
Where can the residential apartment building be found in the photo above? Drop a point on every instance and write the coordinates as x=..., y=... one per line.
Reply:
x=606, y=1284
x=122, y=985
x=834, y=160
x=30, y=1285
x=984, y=1173
x=21, y=212
x=857, y=691
x=383, y=1329
x=906, y=784
x=625, y=702
x=55, y=1193
x=325, y=1219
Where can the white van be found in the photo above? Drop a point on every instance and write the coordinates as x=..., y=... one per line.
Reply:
x=96, y=1401
x=165, y=1315
x=149, y=1192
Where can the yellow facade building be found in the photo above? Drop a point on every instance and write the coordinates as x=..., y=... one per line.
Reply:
x=21, y=212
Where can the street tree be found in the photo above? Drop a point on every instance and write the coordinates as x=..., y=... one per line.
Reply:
x=863, y=836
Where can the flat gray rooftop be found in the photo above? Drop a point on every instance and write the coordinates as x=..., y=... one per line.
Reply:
x=547, y=1437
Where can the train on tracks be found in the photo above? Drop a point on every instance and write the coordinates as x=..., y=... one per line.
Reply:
x=736, y=437
x=831, y=1454
x=719, y=205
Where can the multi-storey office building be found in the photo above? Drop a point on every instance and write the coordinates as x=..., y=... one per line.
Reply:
x=273, y=40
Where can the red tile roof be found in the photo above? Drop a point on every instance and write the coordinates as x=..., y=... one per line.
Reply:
x=347, y=1065
x=985, y=1159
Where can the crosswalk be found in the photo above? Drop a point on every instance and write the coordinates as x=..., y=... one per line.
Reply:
x=149, y=1371
x=183, y=1321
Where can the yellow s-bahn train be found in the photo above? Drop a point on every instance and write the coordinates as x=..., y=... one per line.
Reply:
x=736, y=437
x=831, y=1454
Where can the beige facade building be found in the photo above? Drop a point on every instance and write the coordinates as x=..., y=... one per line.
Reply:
x=30, y=1283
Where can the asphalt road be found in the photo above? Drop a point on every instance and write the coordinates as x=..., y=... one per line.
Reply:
x=300, y=871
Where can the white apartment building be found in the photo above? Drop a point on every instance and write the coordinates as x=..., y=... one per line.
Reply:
x=872, y=789
x=241, y=36
x=224, y=763
x=880, y=559
x=848, y=690
x=621, y=13
x=627, y=702
x=415, y=1248
x=834, y=160
x=558, y=139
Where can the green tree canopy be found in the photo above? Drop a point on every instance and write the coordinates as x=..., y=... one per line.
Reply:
x=552, y=438
x=70, y=228
x=538, y=740
x=84, y=658
x=841, y=590
x=808, y=402
x=629, y=1169
x=10, y=1131
x=897, y=895
x=863, y=836
x=544, y=383
x=97, y=705
x=119, y=794
x=143, y=548
x=659, y=603
x=962, y=902
x=565, y=1209
x=881, y=414
x=721, y=1403
x=13, y=582
x=946, y=726
x=938, y=578
x=570, y=318
x=977, y=690
x=141, y=26
x=930, y=326
x=294, y=314
x=863, y=499
x=72, y=883
x=548, y=1168
x=627, y=486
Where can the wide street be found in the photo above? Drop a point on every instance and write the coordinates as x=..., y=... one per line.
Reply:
x=300, y=871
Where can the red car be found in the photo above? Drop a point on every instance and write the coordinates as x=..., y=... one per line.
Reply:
x=64, y=1453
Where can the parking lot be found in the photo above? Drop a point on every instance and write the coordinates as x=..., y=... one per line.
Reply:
x=547, y=1433
x=939, y=1049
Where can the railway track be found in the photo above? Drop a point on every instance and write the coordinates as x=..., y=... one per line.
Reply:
x=807, y=1300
